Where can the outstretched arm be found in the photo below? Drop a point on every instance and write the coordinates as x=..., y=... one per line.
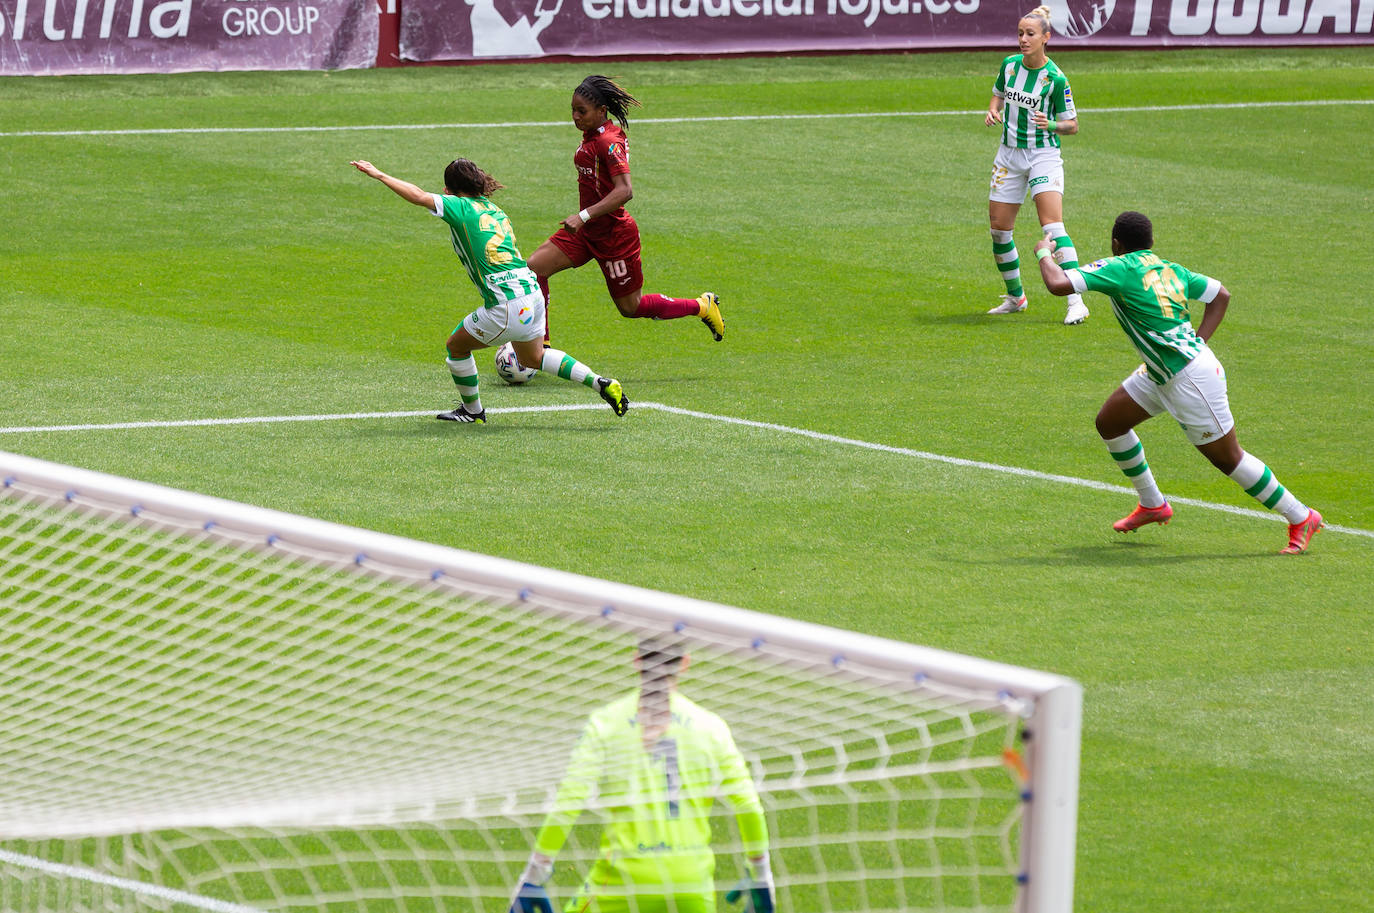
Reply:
x=403, y=189
x=1056, y=280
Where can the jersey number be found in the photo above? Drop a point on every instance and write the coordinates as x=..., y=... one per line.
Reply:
x=1167, y=288
x=500, y=231
x=666, y=751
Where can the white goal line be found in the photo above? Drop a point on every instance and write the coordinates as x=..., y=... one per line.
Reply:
x=690, y=413
x=328, y=128
x=124, y=884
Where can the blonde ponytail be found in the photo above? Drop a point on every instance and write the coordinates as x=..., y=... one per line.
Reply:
x=1042, y=13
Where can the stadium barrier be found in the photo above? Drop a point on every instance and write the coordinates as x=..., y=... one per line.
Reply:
x=57, y=37
x=579, y=28
x=51, y=37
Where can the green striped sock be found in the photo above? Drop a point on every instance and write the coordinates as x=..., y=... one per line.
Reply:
x=464, y=371
x=1260, y=483
x=1129, y=454
x=1004, y=253
x=1064, y=252
x=561, y=364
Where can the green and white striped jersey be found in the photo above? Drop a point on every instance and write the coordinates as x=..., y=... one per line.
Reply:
x=1026, y=91
x=655, y=803
x=484, y=240
x=1150, y=297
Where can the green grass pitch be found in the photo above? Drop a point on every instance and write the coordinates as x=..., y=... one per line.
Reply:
x=153, y=276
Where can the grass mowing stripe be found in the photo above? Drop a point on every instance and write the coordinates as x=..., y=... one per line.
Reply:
x=1127, y=109
x=124, y=884
x=692, y=413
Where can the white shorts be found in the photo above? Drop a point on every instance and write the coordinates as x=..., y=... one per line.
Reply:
x=511, y=321
x=1016, y=170
x=1195, y=396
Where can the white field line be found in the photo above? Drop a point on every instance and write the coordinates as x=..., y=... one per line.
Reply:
x=691, y=413
x=1125, y=109
x=124, y=884
x=271, y=419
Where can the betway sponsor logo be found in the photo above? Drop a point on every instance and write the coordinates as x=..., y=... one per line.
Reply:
x=1024, y=99
x=167, y=19
x=691, y=9
x=1258, y=17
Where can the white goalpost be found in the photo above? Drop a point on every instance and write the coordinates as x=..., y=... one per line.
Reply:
x=206, y=705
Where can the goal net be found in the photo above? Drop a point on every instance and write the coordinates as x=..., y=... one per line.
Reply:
x=210, y=706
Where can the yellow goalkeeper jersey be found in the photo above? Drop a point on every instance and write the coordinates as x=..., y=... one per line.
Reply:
x=656, y=802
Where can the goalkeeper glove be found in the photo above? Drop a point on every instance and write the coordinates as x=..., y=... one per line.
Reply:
x=531, y=897
x=755, y=889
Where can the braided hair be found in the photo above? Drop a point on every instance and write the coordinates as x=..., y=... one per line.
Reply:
x=603, y=92
x=463, y=177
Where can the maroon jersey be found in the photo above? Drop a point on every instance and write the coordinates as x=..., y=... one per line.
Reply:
x=601, y=156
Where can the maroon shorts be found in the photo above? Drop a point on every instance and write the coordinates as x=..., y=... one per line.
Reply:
x=616, y=252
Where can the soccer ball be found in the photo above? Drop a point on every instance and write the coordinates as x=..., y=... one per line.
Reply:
x=509, y=367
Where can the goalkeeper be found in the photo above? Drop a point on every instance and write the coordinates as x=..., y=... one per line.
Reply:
x=653, y=763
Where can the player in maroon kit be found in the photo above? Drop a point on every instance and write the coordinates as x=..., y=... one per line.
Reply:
x=603, y=231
